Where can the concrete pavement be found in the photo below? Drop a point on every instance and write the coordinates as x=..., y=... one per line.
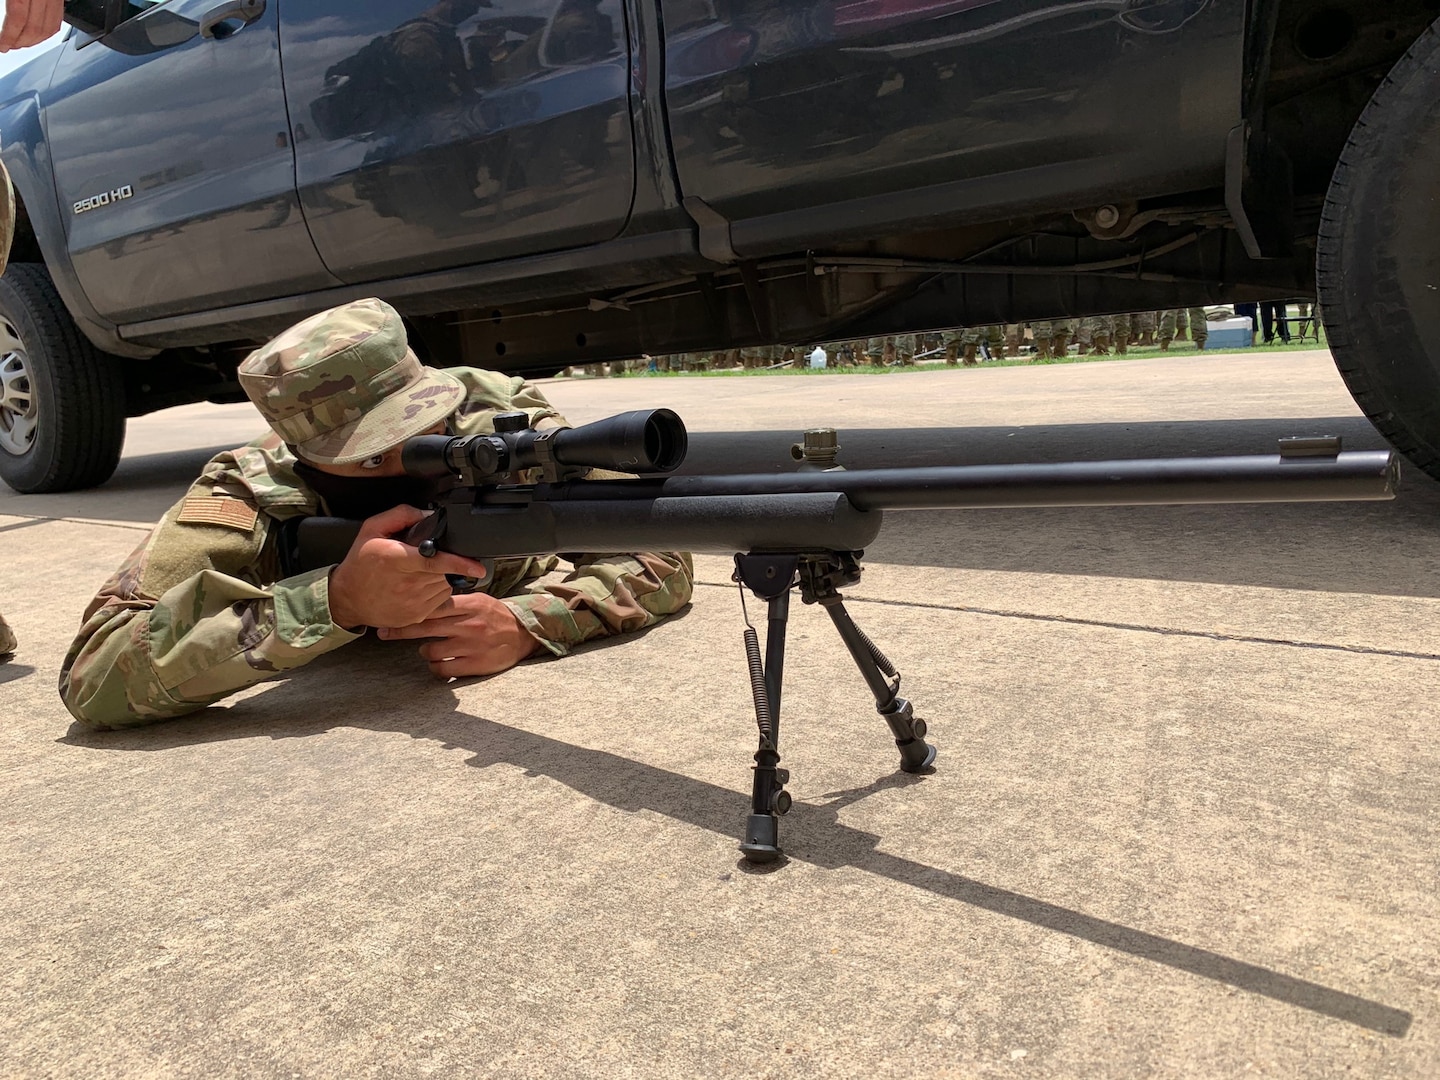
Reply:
x=1182, y=823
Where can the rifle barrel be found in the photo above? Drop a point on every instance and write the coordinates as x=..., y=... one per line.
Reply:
x=1352, y=476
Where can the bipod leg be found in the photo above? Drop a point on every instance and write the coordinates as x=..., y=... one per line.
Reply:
x=916, y=755
x=771, y=578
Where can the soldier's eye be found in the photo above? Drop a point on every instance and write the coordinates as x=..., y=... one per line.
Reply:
x=373, y=462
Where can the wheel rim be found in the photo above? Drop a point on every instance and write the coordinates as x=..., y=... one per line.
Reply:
x=19, y=411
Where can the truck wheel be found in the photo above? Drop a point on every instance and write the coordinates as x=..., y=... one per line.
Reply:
x=1378, y=257
x=62, y=401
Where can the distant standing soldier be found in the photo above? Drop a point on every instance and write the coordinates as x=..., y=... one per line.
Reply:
x=1199, y=327
x=1095, y=335
x=962, y=344
x=1120, y=333
x=1012, y=340
x=1063, y=331
x=1166, y=324
x=1145, y=327
x=1174, y=321
x=754, y=356
x=1040, y=334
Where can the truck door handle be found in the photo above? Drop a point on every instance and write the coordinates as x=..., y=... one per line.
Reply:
x=215, y=23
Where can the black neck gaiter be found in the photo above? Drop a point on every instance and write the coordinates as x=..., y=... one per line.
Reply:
x=361, y=497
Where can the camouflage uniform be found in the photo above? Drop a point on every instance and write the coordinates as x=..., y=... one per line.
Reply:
x=1145, y=328
x=962, y=344
x=1199, y=327
x=887, y=351
x=1095, y=331
x=757, y=356
x=1012, y=339
x=1173, y=324
x=1052, y=338
x=7, y=639
x=1121, y=333
x=200, y=609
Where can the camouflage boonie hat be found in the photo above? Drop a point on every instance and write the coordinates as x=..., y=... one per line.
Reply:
x=343, y=385
x=7, y=218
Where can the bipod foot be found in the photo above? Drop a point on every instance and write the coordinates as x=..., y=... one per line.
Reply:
x=819, y=583
x=916, y=755
x=762, y=838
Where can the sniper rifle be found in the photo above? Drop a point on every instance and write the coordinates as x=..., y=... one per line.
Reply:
x=801, y=531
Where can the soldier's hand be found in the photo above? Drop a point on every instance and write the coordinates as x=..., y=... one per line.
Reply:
x=476, y=635
x=385, y=582
x=29, y=22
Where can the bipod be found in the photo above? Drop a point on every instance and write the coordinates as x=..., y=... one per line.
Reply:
x=819, y=577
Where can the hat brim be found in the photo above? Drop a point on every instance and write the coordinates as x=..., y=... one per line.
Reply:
x=417, y=408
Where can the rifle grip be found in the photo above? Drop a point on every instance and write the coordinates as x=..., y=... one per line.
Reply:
x=426, y=536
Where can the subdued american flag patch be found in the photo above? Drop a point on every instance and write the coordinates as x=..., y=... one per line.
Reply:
x=217, y=510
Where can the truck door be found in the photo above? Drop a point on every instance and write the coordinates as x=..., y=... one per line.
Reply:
x=437, y=134
x=917, y=109
x=173, y=161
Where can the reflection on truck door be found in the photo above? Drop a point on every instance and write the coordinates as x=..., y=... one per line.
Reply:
x=432, y=135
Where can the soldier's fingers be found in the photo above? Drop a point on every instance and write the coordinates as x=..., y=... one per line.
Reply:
x=457, y=668
x=445, y=562
x=443, y=650
x=395, y=520
x=425, y=628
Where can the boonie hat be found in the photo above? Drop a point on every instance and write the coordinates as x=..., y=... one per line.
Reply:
x=343, y=385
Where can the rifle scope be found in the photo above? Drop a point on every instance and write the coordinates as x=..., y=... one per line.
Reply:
x=642, y=441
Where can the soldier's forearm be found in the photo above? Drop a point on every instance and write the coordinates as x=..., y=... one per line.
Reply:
x=134, y=663
x=604, y=595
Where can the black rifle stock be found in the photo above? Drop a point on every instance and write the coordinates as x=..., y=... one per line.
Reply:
x=803, y=530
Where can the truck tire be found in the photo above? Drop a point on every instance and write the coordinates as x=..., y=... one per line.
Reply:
x=62, y=401
x=1378, y=256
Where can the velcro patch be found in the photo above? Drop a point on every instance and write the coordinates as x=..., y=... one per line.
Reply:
x=218, y=510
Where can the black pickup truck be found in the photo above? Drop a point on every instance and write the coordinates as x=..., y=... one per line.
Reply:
x=535, y=183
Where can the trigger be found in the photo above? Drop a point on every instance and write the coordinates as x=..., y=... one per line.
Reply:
x=462, y=584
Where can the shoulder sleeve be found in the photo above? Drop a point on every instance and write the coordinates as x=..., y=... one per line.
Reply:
x=489, y=392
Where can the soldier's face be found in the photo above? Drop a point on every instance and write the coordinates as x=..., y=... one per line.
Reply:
x=378, y=467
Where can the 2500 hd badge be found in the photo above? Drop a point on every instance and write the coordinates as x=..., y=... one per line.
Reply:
x=105, y=198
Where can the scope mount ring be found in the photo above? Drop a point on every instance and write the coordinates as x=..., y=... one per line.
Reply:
x=551, y=471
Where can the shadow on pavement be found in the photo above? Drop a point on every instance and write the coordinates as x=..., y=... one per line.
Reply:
x=813, y=832
x=12, y=671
